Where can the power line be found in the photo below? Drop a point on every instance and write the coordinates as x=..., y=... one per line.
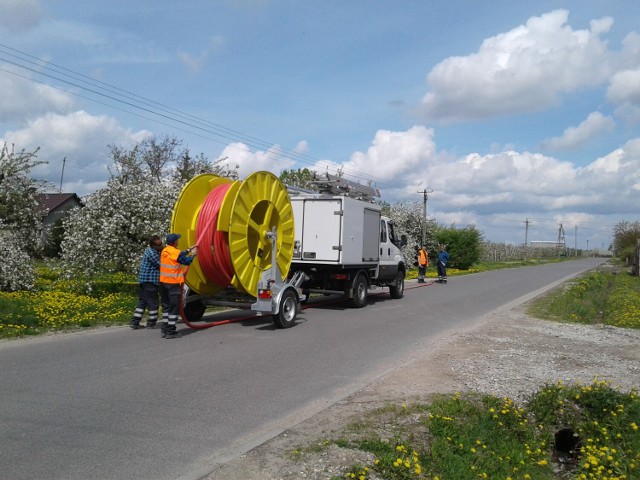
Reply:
x=111, y=93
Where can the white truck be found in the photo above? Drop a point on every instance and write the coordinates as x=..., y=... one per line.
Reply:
x=344, y=245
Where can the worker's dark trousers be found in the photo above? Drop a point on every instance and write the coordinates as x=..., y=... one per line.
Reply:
x=442, y=271
x=422, y=270
x=147, y=299
x=170, y=298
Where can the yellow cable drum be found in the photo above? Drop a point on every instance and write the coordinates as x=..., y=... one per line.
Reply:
x=240, y=214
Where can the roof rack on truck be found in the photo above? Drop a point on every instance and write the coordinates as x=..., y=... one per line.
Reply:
x=336, y=185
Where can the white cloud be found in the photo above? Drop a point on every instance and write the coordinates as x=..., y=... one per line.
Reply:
x=20, y=15
x=238, y=154
x=23, y=99
x=393, y=153
x=302, y=147
x=195, y=63
x=397, y=156
x=629, y=58
x=575, y=137
x=82, y=138
x=625, y=87
x=509, y=184
x=624, y=93
x=525, y=69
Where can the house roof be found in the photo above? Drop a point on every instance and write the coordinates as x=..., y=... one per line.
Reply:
x=50, y=201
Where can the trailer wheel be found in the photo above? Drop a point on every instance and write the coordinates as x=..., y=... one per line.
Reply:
x=396, y=290
x=359, y=299
x=287, y=311
x=194, y=310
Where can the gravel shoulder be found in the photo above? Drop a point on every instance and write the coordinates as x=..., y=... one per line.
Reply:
x=507, y=353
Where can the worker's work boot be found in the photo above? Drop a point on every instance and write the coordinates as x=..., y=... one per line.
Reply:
x=163, y=329
x=171, y=332
x=136, y=325
x=151, y=325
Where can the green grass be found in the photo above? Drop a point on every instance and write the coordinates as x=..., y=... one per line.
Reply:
x=60, y=304
x=598, y=297
x=472, y=436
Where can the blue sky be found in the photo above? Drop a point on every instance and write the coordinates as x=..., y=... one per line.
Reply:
x=506, y=111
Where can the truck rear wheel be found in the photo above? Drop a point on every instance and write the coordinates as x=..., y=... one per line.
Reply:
x=360, y=287
x=396, y=290
x=287, y=310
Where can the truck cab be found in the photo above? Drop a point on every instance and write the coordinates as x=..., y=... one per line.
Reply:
x=391, y=258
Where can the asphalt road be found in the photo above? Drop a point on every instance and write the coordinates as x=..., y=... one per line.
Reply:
x=121, y=404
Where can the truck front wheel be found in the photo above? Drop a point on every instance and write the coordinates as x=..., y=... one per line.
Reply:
x=287, y=311
x=396, y=290
x=360, y=287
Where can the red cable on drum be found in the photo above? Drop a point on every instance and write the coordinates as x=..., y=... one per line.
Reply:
x=213, y=247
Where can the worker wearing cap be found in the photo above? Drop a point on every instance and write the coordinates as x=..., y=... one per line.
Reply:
x=423, y=263
x=172, y=271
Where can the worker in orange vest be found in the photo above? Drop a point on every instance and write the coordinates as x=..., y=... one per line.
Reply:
x=423, y=263
x=172, y=271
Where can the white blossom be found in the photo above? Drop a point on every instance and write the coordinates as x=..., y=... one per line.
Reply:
x=16, y=267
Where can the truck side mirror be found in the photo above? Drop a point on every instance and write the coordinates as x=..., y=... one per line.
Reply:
x=403, y=240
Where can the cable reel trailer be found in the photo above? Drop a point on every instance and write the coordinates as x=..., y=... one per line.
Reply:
x=245, y=236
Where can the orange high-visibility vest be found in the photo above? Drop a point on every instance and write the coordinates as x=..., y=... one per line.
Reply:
x=423, y=258
x=170, y=270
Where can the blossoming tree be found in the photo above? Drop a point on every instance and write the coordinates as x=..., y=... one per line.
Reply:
x=110, y=232
x=20, y=217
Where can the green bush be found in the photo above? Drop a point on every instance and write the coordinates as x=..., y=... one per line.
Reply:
x=464, y=245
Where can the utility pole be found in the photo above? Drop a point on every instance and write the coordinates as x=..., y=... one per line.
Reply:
x=64, y=160
x=526, y=232
x=425, y=195
x=575, y=241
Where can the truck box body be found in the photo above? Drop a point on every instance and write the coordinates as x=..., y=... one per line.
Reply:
x=335, y=230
